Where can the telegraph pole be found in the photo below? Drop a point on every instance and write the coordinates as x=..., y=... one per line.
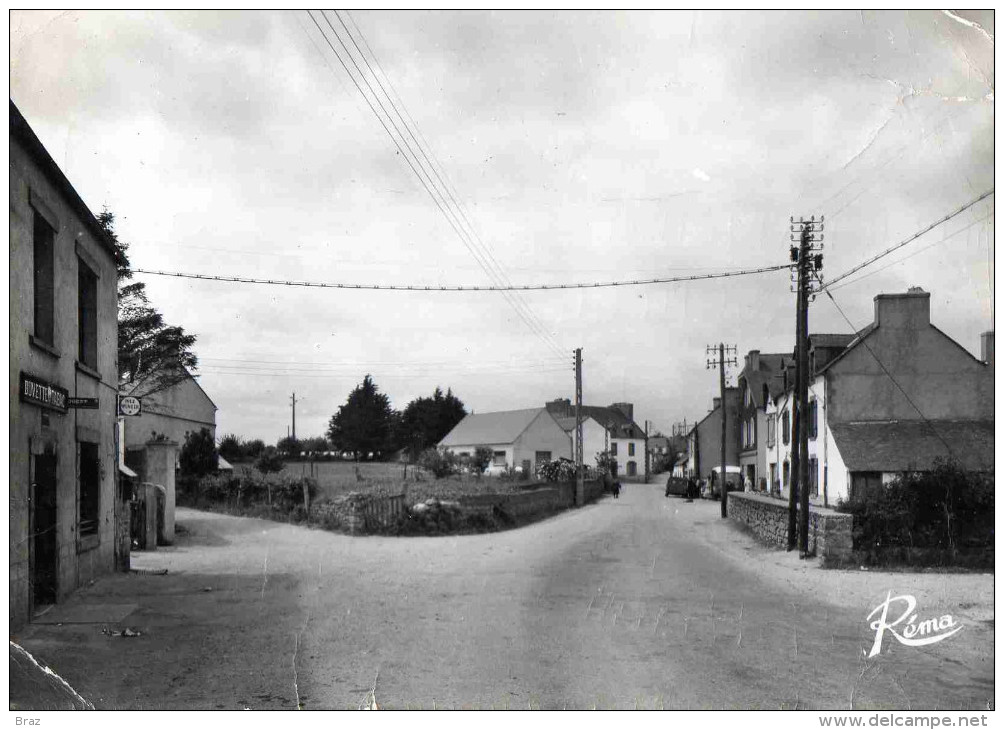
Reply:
x=294, y=416
x=580, y=489
x=721, y=363
x=809, y=265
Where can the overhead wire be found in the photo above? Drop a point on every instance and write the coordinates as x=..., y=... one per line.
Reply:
x=464, y=288
x=423, y=176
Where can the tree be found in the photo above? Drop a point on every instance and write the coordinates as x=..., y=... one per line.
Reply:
x=231, y=447
x=363, y=425
x=425, y=421
x=289, y=446
x=269, y=461
x=316, y=444
x=152, y=354
x=253, y=448
x=481, y=459
x=198, y=455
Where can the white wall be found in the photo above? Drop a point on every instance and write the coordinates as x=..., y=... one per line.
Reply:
x=543, y=434
x=623, y=456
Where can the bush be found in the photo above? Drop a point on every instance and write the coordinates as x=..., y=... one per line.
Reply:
x=270, y=461
x=253, y=448
x=280, y=493
x=559, y=470
x=231, y=448
x=946, y=509
x=198, y=455
x=481, y=460
x=441, y=463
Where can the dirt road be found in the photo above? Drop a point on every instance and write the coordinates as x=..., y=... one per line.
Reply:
x=641, y=601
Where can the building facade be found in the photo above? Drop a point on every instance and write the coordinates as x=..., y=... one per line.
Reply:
x=170, y=414
x=704, y=440
x=68, y=524
x=610, y=429
x=759, y=381
x=898, y=396
x=523, y=439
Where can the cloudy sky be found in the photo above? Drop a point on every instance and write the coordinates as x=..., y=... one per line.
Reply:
x=582, y=147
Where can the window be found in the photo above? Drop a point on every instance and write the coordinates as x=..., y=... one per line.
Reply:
x=632, y=469
x=87, y=308
x=773, y=477
x=631, y=449
x=752, y=431
x=498, y=458
x=542, y=457
x=787, y=475
x=45, y=287
x=89, y=486
x=771, y=429
x=813, y=477
x=785, y=428
x=812, y=419
x=613, y=449
x=766, y=395
x=863, y=481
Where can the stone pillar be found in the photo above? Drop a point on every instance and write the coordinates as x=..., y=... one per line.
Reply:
x=159, y=469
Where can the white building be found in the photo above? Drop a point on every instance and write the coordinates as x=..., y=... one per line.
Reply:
x=611, y=428
x=522, y=439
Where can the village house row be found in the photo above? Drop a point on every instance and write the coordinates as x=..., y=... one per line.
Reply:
x=889, y=399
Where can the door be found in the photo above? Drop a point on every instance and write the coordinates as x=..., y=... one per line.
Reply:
x=43, y=529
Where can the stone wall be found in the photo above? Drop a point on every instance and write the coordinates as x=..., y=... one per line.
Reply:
x=829, y=531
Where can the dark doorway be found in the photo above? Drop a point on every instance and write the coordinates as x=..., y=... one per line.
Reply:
x=43, y=529
x=613, y=468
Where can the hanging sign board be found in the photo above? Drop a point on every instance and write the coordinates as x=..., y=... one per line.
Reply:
x=41, y=393
x=130, y=406
x=82, y=402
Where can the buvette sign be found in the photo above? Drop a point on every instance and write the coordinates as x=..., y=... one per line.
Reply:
x=41, y=393
x=130, y=405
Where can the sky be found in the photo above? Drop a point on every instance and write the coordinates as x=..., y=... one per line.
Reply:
x=582, y=147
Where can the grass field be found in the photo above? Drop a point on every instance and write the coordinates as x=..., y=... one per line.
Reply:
x=340, y=477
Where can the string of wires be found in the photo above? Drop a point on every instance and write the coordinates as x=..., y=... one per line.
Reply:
x=465, y=288
x=360, y=70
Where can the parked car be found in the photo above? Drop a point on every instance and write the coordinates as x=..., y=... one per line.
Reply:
x=676, y=486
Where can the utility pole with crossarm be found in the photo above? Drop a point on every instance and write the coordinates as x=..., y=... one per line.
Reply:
x=721, y=363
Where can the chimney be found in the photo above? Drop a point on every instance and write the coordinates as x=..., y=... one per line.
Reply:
x=626, y=408
x=987, y=348
x=716, y=403
x=559, y=407
x=754, y=360
x=904, y=311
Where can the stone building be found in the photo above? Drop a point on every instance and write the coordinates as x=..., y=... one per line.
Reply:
x=68, y=523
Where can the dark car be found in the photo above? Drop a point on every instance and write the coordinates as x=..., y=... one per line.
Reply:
x=677, y=486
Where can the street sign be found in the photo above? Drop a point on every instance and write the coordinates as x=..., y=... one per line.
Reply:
x=42, y=393
x=82, y=402
x=130, y=405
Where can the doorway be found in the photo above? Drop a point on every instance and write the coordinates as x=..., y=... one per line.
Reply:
x=42, y=526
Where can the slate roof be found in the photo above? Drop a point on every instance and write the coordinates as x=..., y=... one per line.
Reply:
x=826, y=340
x=771, y=365
x=893, y=446
x=501, y=427
x=619, y=425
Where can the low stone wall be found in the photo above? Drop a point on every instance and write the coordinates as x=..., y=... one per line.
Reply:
x=359, y=513
x=829, y=531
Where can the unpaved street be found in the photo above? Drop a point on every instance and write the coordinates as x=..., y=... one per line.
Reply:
x=640, y=601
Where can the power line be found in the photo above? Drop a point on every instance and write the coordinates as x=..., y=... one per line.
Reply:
x=423, y=176
x=491, y=288
x=890, y=375
x=900, y=245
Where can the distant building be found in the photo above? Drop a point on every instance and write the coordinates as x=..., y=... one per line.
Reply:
x=606, y=428
x=704, y=453
x=863, y=421
x=68, y=523
x=758, y=382
x=170, y=414
x=522, y=439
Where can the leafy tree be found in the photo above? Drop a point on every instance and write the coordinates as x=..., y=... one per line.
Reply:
x=481, y=459
x=198, y=455
x=152, y=354
x=270, y=461
x=440, y=462
x=364, y=423
x=315, y=444
x=425, y=421
x=253, y=448
x=289, y=446
x=231, y=447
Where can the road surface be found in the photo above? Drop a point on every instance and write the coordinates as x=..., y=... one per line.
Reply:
x=640, y=601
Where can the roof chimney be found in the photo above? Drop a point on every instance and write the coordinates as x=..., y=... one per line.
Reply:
x=716, y=403
x=987, y=348
x=754, y=360
x=911, y=310
x=626, y=408
x=559, y=407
